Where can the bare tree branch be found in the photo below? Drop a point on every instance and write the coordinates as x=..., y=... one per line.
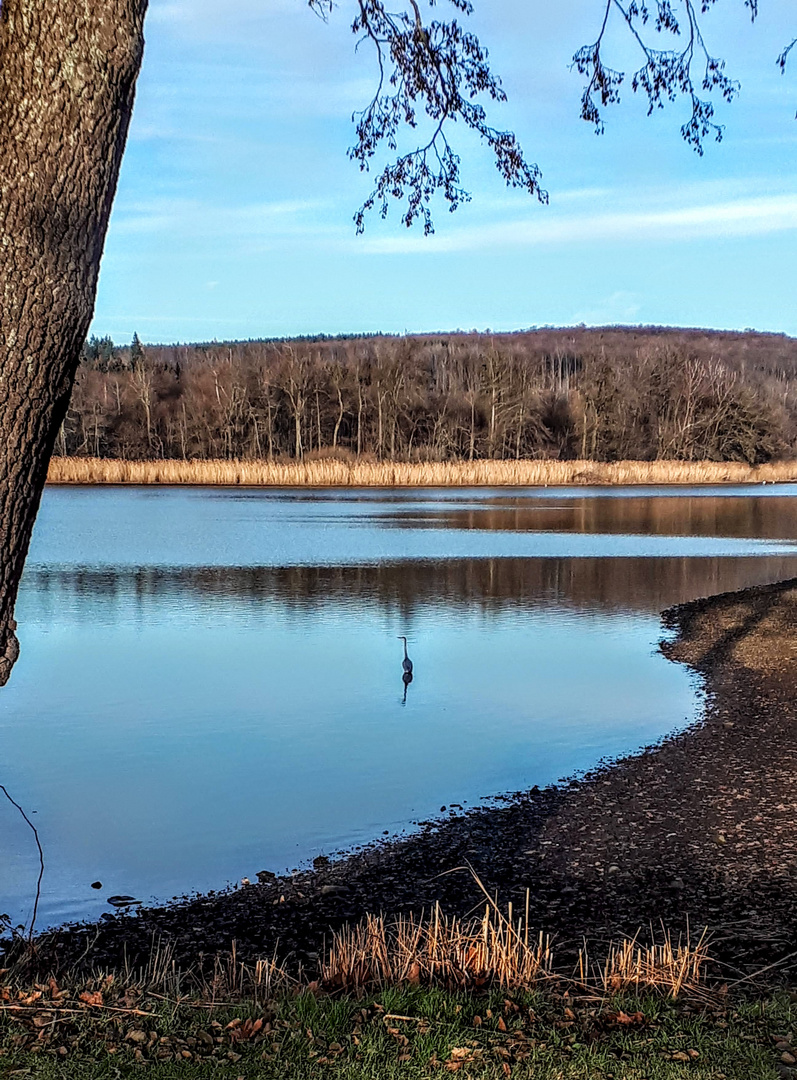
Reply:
x=783, y=59
x=666, y=74
x=430, y=74
x=35, y=832
x=784, y=56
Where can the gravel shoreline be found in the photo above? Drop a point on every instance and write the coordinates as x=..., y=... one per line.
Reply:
x=697, y=831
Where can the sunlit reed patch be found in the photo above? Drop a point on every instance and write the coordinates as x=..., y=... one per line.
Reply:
x=337, y=473
x=497, y=950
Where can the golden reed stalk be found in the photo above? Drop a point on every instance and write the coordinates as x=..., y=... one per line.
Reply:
x=336, y=473
x=436, y=949
x=663, y=966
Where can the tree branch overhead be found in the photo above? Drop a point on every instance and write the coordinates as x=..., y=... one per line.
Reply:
x=688, y=69
x=430, y=76
x=432, y=72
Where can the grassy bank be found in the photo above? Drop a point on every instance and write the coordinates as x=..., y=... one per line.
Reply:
x=337, y=473
x=403, y=1032
x=696, y=830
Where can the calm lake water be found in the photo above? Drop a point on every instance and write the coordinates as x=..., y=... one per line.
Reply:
x=210, y=680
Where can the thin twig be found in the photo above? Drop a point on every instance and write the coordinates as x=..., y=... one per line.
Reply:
x=41, y=859
x=761, y=971
x=49, y=1006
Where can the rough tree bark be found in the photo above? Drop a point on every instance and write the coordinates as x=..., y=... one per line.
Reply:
x=67, y=80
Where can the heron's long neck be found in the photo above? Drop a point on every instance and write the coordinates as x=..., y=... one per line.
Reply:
x=405, y=648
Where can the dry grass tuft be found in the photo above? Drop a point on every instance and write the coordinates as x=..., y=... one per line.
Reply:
x=496, y=950
x=430, y=951
x=660, y=966
x=161, y=974
x=340, y=473
x=436, y=950
x=228, y=980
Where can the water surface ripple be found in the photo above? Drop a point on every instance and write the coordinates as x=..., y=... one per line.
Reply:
x=210, y=681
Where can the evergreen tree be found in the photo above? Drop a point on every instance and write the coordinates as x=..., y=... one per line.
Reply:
x=136, y=351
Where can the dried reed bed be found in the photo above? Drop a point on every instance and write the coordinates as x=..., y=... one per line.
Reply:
x=332, y=472
x=660, y=966
x=437, y=950
x=24, y=985
x=433, y=950
x=229, y=979
x=496, y=950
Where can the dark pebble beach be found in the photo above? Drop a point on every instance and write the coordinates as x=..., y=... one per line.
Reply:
x=698, y=831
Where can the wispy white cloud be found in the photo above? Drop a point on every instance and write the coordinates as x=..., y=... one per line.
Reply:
x=744, y=217
x=274, y=30
x=236, y=172
x=619, y=307
x=168, y=217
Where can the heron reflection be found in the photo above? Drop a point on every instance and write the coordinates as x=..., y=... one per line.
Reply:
x=406, y=678
x=406, y=675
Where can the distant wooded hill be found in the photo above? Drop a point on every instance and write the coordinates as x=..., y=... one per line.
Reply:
x=602, y=394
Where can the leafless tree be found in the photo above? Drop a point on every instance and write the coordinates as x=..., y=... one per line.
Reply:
x=68, y=70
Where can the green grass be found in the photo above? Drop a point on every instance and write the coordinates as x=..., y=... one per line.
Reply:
x=522, y=1035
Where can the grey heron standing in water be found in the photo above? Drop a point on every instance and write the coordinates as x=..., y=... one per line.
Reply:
x=406, y=663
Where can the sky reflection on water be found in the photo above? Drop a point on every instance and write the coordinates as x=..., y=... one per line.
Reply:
x=210, y=682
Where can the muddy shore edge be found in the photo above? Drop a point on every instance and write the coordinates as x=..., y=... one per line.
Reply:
x=697, y=831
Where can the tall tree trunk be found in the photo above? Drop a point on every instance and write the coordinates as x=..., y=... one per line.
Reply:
x=67, y=79
x=339, y=420
x=359, y=416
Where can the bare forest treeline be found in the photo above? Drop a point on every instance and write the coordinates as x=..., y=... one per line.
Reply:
x=606, y=394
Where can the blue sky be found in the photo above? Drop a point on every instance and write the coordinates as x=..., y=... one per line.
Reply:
x=233, y=217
